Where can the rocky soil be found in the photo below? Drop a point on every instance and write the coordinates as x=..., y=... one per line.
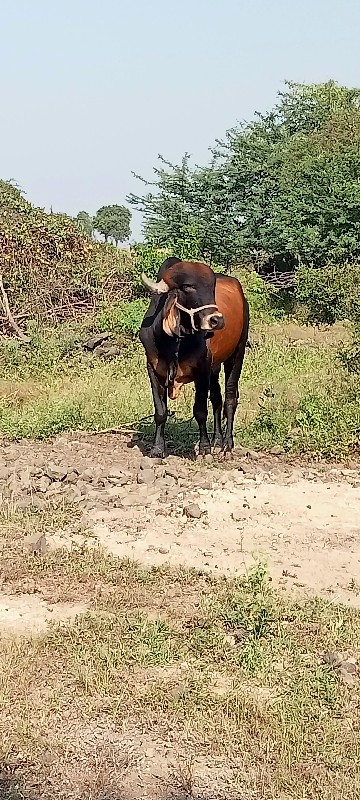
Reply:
x=302, y=519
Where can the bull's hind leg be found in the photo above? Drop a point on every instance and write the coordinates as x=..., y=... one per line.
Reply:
x=233, y=367
x=216, y=401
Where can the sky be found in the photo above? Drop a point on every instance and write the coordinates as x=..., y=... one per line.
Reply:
x=91, y=91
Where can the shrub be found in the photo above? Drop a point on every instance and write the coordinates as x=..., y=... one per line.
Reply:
x=330, y=294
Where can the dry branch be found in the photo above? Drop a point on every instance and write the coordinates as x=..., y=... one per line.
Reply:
x=9, y=317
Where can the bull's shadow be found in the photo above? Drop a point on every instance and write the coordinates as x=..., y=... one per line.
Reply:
x=181, y=436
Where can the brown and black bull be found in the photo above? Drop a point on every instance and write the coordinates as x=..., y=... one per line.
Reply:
x=197, y=320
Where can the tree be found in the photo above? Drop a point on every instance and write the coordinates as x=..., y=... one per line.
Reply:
x=280, y=190
x=85, y=222
x=113, y=222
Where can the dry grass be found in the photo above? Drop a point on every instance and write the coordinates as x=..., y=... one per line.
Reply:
x=177, y=685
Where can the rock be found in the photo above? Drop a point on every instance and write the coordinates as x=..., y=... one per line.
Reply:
x=24, y=479
x=254, y=454
x=166, y=483
x=277, y=450
x=132, y=500
x=72, y=476
x=107, y=350
x=148, y=463
x=42, y=484
x=192, y=511
x=55, y=488
x=4, y=474
x=146, y=476
x=55, y=472
x=116, y=491
x=37, y=544
x=116, y=471
x=241, y=451
x=348, y=673
x=163, y=550
x=209, y=458
x=96, y=340
x=174, y=472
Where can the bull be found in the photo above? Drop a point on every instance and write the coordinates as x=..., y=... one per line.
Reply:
x=197, y=320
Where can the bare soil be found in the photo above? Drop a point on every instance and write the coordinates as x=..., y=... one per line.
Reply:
x=302, y=519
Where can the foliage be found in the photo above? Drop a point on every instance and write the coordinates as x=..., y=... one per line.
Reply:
x=85, y=223
x=330, y=294
x=282, y=189
x=113, y=222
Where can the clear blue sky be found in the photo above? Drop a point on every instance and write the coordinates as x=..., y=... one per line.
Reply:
x=93, y=90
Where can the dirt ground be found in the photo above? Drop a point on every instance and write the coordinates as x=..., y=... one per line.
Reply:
x=302, y=519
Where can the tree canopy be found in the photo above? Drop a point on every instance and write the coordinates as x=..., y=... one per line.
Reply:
x=113, y=222
x=283, y=188
x=85, y=223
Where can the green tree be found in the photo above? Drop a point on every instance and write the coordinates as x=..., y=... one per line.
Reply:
x=85, y=222
x=280, y=190
x=113, y=222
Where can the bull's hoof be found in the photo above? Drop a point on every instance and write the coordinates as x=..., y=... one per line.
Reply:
x=204, y=449
x=228, y=445
x=157, y=452
x=217, y=445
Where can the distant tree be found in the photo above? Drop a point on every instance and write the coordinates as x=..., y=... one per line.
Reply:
x=85, y=222
x=113, y=222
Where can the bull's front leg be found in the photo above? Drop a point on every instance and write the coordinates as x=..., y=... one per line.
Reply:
x=159, y=393
x=202, y=383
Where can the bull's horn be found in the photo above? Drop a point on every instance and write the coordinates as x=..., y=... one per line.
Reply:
x=155, y=288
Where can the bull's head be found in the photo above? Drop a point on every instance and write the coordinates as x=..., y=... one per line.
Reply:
x=191, y=303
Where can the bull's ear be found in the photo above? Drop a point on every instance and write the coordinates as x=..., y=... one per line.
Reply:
x=156, y=288
x=171, y=318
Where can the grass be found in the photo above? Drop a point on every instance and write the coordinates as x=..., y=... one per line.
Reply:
x=227, y=672
x=294, y=391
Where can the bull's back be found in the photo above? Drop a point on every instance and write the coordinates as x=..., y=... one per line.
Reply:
x=231, y=302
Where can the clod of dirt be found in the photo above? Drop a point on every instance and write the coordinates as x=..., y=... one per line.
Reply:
x=276, y=450
x=107, y=350
x=146, y=476
x=349, y=673
x=37, y=544
x=116, y=471
x=193, y=511
x=56, y=472
x=42, y=484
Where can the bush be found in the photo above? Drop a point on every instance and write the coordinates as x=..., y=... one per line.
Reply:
x=330, y=294
x=50, y=268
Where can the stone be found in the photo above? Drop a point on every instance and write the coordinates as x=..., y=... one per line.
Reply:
x=42, y=484
x=24, y=479
x=146, y=476
x=96, y=340
x=192, y=511
x=132, y=500
x=163, y=550
x=107, y=350
x=56, y=472
x=4, y=474
x=37, y=544
x=277, y=450
x=72, y=476
x=148, y=463
x=115, y=471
